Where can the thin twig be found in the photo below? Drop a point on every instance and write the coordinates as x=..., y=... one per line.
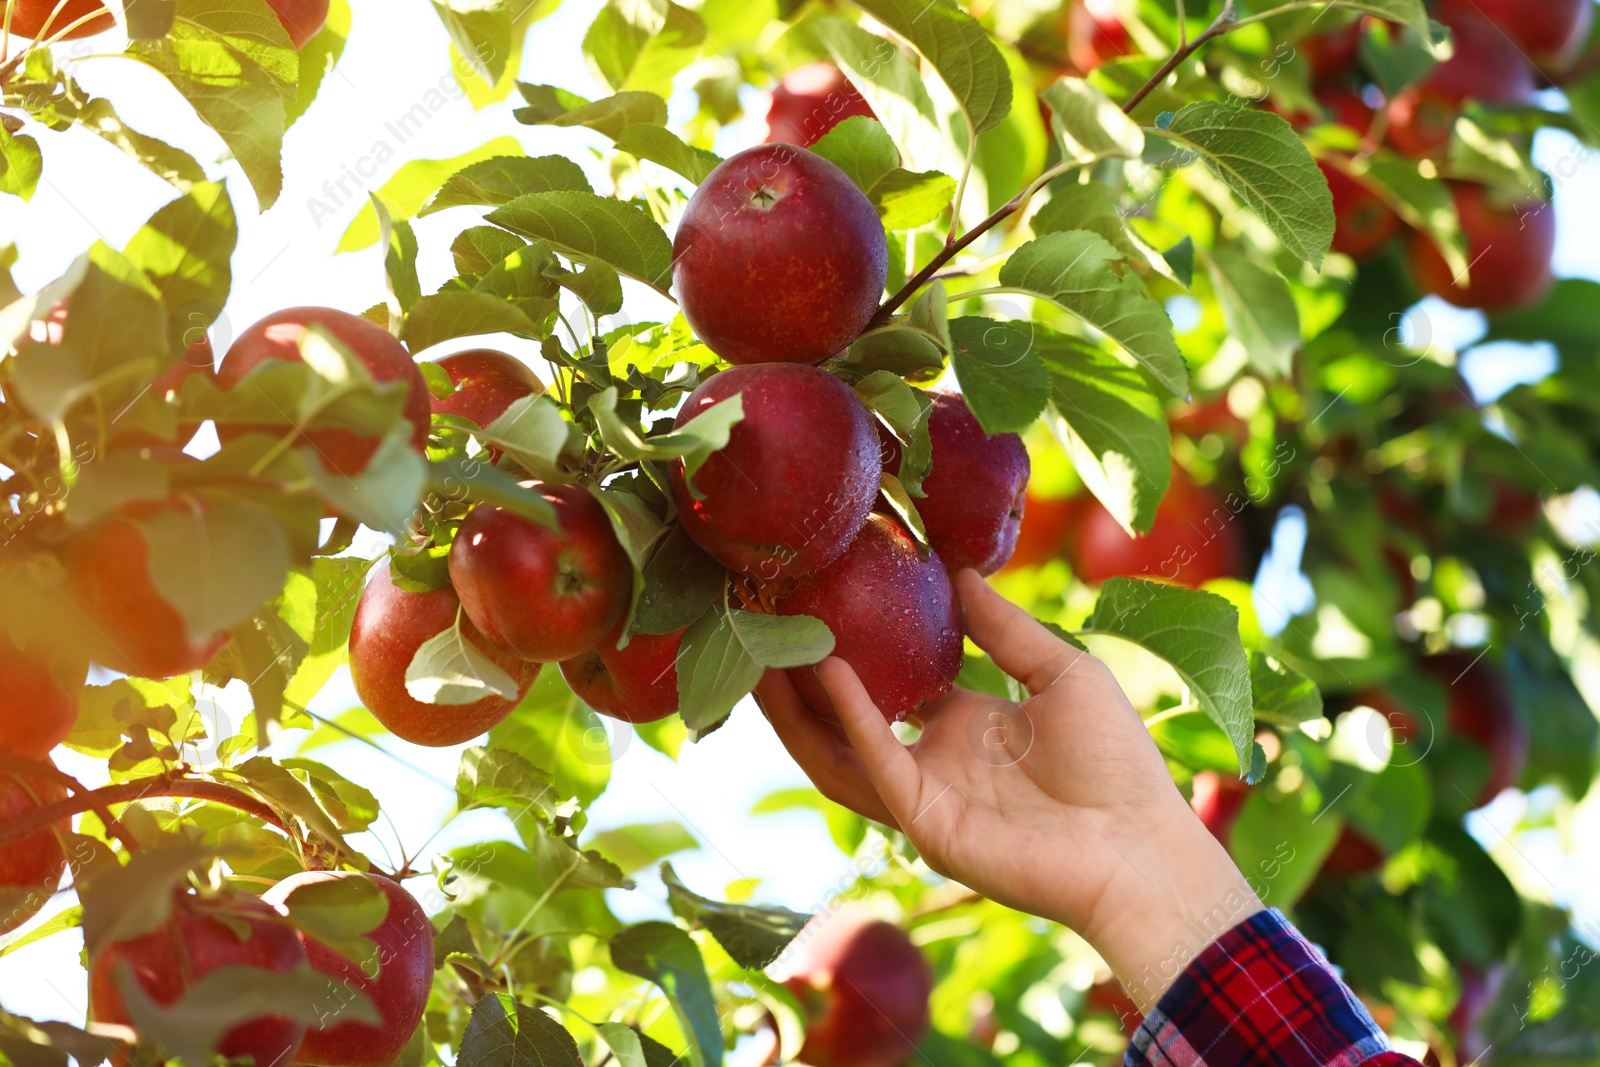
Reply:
x=142, y=789
x=46, y=769
x=1224, y=22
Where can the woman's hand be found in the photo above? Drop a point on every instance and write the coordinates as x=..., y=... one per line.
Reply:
x=1060, y=806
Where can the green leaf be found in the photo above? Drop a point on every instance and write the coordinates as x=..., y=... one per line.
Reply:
x=216, y=564
x=1110, y=422
x=752, y=936
x=416, y=182
x=638, y=531
x=1422, y=202
x=172, y=165
x=62, y=921
x=660, y=145
x=351, y=807
x=892, y=85
x=1088, y=126
x=149, y=19
x=693, y=442
x=21, y=164
x=959, y=49
x=1084, y=274
x=320, y=55
x=1280, y=841
x=1259, y=156
x=1258, y=309
x=532, y=432
x=276, y=783
x=185, y=250
x=338, y=912
x=724, y=654
x=445, y=316
x=1478, y=155
x=897, y=348
x=339, y=582
x=550, y=106
x=489, y=777
x=448, y=669
x=127, y=901
x=501, y=179
x=1096, y=207
x=667, y=956
x=1406, y=12
x=1282, y=695
x=860, y=147
x=504, y=1033
x=680, y=583
x=251, y=27
x=641, y=44
x=905, y=411
x=908, y=199
x=624, y=1043
x=480, y=31
x=552, y=729
x=635, y=847
x=386, y=493
x=1001, y=376
x=399, y=242
x=480, y=483
x=1198, y=634
x=594, y=228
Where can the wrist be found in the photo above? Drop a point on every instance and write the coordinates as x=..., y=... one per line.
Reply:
x=1179, y=893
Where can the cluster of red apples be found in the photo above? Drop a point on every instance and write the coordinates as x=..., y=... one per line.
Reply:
x=302, y=19
x=1504, y=52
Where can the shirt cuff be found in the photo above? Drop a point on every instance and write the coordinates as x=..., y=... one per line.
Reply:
x=1260, y=993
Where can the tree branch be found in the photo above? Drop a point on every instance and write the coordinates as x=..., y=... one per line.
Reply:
x=127, y=792
x=1225, y=21
x=46, y=769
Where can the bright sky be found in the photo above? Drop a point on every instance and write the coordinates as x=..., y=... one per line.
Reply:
x=398, y=51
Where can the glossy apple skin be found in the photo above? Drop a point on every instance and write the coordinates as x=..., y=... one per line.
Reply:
x=1509, y=247
x=30, y=869
x=486, y=384
x=131, y=627
x=1482, y=710
x=638, y=683
x=976, y=488
x=36, y=711
x=1217, y=799
x=302, y=19
x=809, y=102
x=894, y=619
x=779, y=258
x=543, y=594
x=1486, y=67
x=1549, y=31
x=404, y=942
x=1194, y=539
x=796, y=480
x=28, y=18
x=278, y=337
x=390, y=625
x=1096, y=34
x=867, y=987
x=207, y=944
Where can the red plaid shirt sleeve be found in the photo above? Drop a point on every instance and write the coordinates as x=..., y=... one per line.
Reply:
x=1261, y=994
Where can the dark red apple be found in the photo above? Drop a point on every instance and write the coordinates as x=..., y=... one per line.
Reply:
x=390, y=625
x=1486, y=67
x=1111, y=998
x=131, y=627
x=543, y=594
x=894, y=619
x=779, y=258
x=278, y=337
x=635, y=684
x=398, y=987
x=1363, y=223
x=1549, y=31
x=1509, y=247
x=809, y=102
x=486, y=384
x=29, y=16
x=1096, y=34
x=193, y=943
x=1194, y=539
x=1482, y=710
x=1217, y=799
x=976, y=488
x=1332, y=53
x=1352, y=854
x=1043, y=532
x=796, y=479
x=36, y=711
x=866, y=988
x=302, y=19
x=30, y=869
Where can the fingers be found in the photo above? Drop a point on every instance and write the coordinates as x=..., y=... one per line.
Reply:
x=1015, y=640
x=888, y=763
x=832, y=766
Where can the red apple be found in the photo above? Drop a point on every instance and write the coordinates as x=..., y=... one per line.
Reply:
x=1111, y=998
x=1194, y=539
x=1509, y=247
x=976, y=489
x=1043, y=531
x=543, y=594
x=1096, y=33
x=303, y=19
x=1363, y=223
x=809, y=102
x=779, y=258
x=1201, y=418
x=1482, y=710
x=390, y=625
x=398, y=990
x=1352, y=854
x=36, y=711
x=1332, y=53
x=1549, y=31
x=193, y=943
x=796, y=480
x=1217, y=799
x=28, y=18
x=866, y=987
x=30, y=869
x=894, y=619
x=131, y=627
x=638, y=683
x=278, y=337
x=1486, y=67
x=487, y=382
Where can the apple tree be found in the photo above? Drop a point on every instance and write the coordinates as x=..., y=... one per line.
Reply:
x=1116, y=303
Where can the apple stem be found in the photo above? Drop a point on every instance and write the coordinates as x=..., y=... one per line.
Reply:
x=1224, y=22
x=161, y=785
